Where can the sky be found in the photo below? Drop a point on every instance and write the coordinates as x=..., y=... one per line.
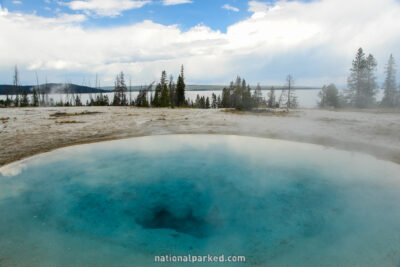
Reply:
x=216, y=40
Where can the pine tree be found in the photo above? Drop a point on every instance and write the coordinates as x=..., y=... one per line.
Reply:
x=197, y=102
x=257, y=96
x=357, y=79
x=389, y=86
x=237, y=88
x=24, y=101
x=172, y=91
x=78, y=101
x=201, y=102
x=219, y=102
x=105, y=101
x=161, y=95
x=165, y=100
x=271, y=98
x=117, y=97
x=131, y=101
x=371, y=87
x=35, y=98
x=214, y=101
x=207, y=105
x=157, y=96
x=180, y=89
x=226, y=98
x=247, y=100
x=123, y=89
x=119, y=91
x=101, y=100
x=237, y=96
x=329, y=96
x=163, y=79
x=141, y=100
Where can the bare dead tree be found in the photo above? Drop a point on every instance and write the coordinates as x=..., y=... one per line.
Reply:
x=130, y=90
x=38, y=88
x=45, y=96
x=16, y=85
x=96, y=86
x=289, y=80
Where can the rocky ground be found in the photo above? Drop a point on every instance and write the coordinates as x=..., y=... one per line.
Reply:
x=28, y=131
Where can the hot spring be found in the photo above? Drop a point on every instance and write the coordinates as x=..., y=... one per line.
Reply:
x=278, y=203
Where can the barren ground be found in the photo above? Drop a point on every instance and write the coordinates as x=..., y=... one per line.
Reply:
x=28, y=131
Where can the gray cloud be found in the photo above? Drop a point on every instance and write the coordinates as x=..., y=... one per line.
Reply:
x=314, y=41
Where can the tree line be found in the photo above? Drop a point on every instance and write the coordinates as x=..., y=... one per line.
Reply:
x=167, y=93
x=362, y=86
x=239, y=96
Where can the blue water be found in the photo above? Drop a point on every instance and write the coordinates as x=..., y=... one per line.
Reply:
x=277, y=203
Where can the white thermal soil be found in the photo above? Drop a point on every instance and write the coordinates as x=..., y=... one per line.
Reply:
x=28, y=131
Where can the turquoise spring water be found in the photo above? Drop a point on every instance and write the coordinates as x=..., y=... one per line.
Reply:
x=277, y=203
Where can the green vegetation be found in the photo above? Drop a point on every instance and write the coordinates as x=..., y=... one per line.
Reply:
x=329, y=97
x=239, y=96
x=362, y=86
x=361, y=92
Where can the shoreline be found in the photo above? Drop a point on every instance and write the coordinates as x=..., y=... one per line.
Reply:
x=28, y=132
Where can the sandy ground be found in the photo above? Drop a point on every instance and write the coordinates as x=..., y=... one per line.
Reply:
x=28, y=131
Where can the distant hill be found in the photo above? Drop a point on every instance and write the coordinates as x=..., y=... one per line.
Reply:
x=52, y=88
